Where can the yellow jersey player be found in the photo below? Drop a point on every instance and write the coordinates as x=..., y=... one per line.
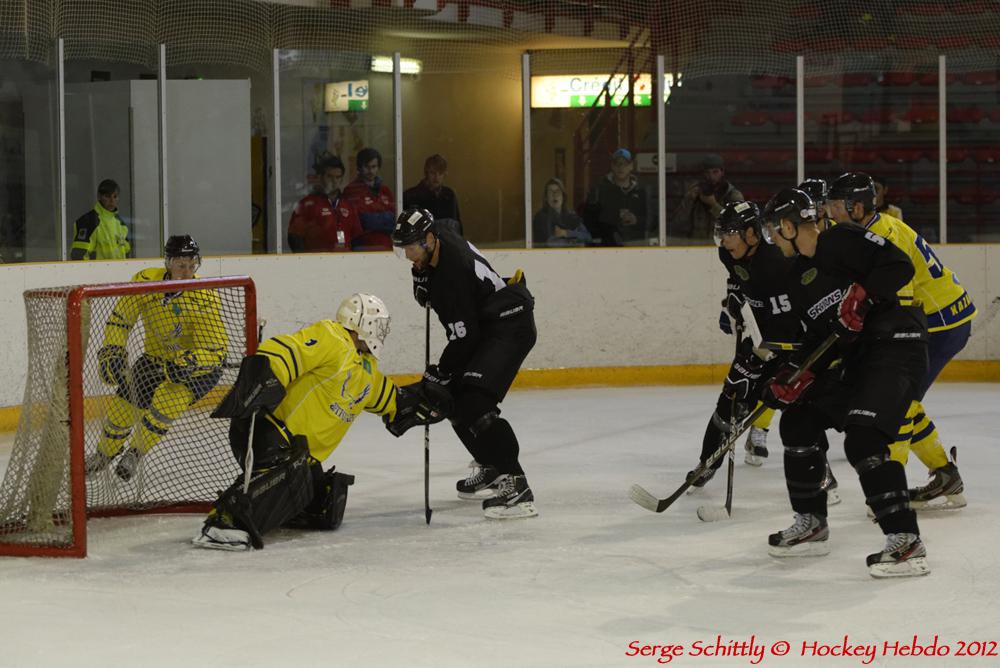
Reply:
x=297, y=397
x=184, y=346
x=949, y=311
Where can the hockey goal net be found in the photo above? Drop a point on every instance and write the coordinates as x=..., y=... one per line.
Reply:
x=130, y=370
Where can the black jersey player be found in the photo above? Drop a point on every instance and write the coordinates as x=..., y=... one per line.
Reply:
x=849, y=281
x=758, y=278
x=490, y=325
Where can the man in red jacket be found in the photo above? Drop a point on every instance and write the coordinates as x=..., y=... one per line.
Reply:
x=373, y=201
x=323, y=221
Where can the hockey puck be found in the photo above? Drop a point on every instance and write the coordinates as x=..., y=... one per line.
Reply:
x=712, y=513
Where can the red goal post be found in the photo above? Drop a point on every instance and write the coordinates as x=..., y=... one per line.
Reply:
x=70, y=411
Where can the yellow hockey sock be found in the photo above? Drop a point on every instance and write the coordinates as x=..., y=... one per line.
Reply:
x=900, y=450
x=925, y=444
x=764, y=421
x=118, y=422
x=169, y=402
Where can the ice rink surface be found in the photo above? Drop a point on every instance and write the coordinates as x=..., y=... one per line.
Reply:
x=575, y=586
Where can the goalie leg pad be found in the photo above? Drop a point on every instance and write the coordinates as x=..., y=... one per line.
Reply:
x=276, y=494
x=326, y=511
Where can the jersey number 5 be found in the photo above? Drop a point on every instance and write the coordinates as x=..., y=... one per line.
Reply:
x=934, y=265
x=456, y=330
x=780, y=304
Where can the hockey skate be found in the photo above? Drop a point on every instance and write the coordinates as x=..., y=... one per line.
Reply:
x=702, y=478
x=943, y=491
x=215, y=536
x=513, y=499
x=755, y=447
x=125, y=469
x=96, y=462
x=481, y=484
x=807, y=537
x=904, y=555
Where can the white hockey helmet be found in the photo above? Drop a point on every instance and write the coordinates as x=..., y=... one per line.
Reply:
x=367, y=316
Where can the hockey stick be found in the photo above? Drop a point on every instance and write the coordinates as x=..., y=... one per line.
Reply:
x=712, y=513
x=642, y=497
x=427, y=427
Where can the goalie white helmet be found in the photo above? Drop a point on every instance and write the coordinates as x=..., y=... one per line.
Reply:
x=368, y=316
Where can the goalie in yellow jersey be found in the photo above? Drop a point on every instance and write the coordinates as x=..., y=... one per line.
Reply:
x=949, y=310
x=298, y=396
x=185, y=343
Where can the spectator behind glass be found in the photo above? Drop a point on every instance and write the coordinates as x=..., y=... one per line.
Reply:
x=703, y=202
x=434, y=196
x=556, y=224
x=373, y=201
x=616, y=208
x=323, y=222
x=100, y=233
x=881, y=201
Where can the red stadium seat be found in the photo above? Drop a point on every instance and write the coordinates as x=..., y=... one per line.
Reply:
x=836, y=117
x=787, y=45
x=857, y=79
x=990, y=41
x=859, y=154
x=773, y=155
x=783, y=117
x=921, y=115
x=995, y=115
x=897, y=78
x=968, y=8
x=750, y=118
x=965, y=115
x=974, y=195
x=931, y=79
x=819, y=81
x=876, y=43
x=819, y=154
x=807, y=11
x=987, y=78
x=952, y=42
x=878, y=115
x=921, y=9
x=988, y=155
x=914, y=42
x=736, y=157
x=767, y=81
x=958, y=154
x=902, y=155
x=925, y=195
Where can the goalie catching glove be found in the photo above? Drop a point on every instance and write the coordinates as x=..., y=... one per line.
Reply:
x=418, y=404
x=256, y=388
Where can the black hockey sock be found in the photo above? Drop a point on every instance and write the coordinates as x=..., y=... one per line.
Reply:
x=503, y=446
x=805, y=468
x=715, y=433
x=882, y=480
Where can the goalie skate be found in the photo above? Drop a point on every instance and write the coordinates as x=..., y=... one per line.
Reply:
x=904, y=556
x=807, y=537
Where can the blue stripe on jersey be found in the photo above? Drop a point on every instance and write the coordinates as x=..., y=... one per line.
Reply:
x=959, y=310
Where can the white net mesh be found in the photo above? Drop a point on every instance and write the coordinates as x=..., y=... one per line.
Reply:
x=153, y=366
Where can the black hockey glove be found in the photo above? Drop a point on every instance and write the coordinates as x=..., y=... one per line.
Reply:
x=113, y=361
x=421, y=287
x=436, y=376
x=415, y=408
x=744, y=378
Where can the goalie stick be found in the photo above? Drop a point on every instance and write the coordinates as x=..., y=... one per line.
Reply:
x=643, y=498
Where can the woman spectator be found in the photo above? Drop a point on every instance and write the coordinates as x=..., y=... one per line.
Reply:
x=555, y=224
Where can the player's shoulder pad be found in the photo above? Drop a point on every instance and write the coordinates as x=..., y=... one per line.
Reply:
x=150, y=274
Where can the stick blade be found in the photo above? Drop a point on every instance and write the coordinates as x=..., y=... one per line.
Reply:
x=644, y=498
x=712, y=513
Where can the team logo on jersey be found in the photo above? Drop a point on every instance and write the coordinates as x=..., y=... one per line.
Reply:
x=742, y=273
x=809, y=276
x=353, y=401
x=817, y=309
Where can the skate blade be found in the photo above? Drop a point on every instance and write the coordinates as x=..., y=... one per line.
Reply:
x=753, y=460
x=521, y=510
x=901, y=569
x=951, y=502
x=480, y=495
x=832, y=497
x=813, y=548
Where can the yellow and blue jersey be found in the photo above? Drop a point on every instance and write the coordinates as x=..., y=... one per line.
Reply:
x=174, y=323
x=328, y=383
x=945, y=302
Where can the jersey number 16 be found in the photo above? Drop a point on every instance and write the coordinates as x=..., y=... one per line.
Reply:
x=456, y=330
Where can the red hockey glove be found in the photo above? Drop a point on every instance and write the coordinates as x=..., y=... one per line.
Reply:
x=780, y=393
x=853, y=308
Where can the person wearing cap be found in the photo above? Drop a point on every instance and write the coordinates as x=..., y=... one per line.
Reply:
x=556, y=224
x=100, y=233
x=433, y=195
x=373, y=201
x=616, y=207
x=703, y=202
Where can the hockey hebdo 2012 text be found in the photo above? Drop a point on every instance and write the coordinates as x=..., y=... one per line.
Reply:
x=756, y=650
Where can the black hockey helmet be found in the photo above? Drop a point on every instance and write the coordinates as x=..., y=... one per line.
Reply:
x=737, y=217
x=181, y=245
x=854, y=187
x=791, y=204
x=412, y=226
x=817, y=189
